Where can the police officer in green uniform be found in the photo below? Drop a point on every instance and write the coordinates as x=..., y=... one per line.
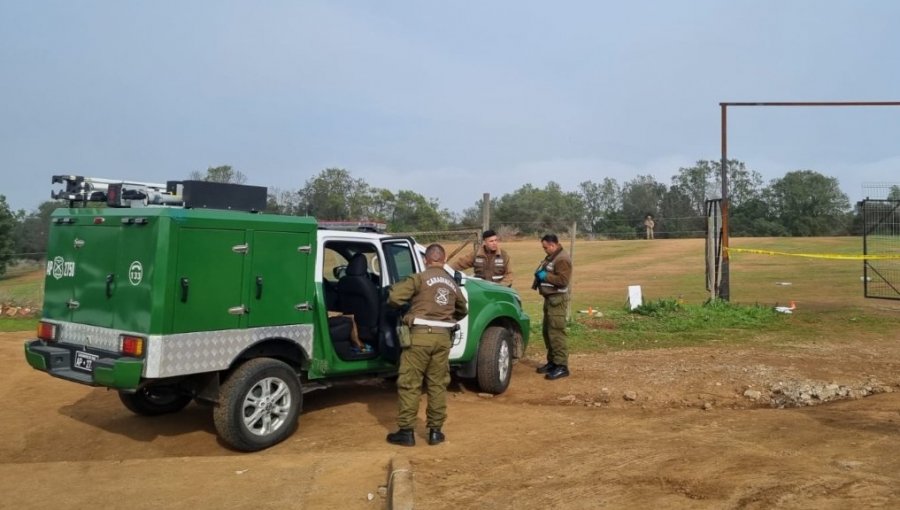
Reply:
x=435, y=304
x=489, y=262
x=552, y=281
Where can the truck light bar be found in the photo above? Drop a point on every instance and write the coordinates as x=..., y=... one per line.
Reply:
x=115, y=192
x=190, y=194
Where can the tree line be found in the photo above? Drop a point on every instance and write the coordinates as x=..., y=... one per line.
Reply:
x=801, y=203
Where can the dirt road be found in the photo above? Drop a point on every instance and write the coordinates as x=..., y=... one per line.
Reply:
x=664, y=428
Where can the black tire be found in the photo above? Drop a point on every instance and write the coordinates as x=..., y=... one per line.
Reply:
x=259, y=405
x=494, y=367
x=154, y=401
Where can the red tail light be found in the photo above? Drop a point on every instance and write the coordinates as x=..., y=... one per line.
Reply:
x=131, y=345
x=47, y=331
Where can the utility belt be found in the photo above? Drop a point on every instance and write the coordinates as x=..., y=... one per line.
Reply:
x=548, y=289
x=433, y=326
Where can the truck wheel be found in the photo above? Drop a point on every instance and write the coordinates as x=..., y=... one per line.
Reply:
x=494, y=360
x=259, y=405
x=150, y=401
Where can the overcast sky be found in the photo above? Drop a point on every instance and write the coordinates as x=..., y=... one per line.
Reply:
x=448, y=99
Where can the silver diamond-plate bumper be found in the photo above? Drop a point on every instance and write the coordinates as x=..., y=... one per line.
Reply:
x=186, y=353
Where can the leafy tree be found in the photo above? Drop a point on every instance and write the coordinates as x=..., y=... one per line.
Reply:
x=743, y=185
x=697, y=184
x=335, y=195
x=677, y=217
x=471, y=217
x=413, y=212
x=7, y=228
x=534, y=210
x=590, y=196
x=283, y=202
x=755, y=218
x=615, y=225
x=703, y=181
x=222, y=173
x=894, y=193
x=599, y=200
x=808, y=203
x=31, y=230
x=641, y=196
x=381, y=203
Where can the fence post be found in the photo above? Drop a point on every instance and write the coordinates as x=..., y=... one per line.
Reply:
x=571, y=278
x=485, y=212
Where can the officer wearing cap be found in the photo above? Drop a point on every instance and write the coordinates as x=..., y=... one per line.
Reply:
x=435, y=304
x=489, y=261
x=551, y=280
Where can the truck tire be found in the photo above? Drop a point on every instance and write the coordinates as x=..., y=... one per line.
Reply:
x=494, y=360
x=154, y=401
x=259, y=405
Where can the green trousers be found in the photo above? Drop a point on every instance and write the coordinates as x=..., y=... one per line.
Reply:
x=555, y=329
x=427, y=359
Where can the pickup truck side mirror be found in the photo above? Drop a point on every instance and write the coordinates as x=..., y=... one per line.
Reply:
x=458, y=278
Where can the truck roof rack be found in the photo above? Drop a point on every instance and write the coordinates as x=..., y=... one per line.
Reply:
x=114, y=192
x=357, y=226
x=188, y=194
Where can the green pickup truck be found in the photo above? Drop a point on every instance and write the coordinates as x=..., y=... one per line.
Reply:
x=170, y=304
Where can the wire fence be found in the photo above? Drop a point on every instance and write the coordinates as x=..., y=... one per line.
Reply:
x=665, y=227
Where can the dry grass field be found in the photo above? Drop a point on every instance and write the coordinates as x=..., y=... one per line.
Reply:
x=671, y=268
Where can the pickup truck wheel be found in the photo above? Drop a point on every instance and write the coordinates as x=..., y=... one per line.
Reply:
x=150, y=401
x=494, y=360
x=259, y=405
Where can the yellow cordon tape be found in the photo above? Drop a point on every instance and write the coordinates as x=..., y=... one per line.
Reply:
x=833, y=256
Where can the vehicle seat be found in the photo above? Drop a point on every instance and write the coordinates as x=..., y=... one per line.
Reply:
x=359, y=297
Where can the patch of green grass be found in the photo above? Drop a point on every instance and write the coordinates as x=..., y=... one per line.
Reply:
x=671, y=323
x=668, y=315
x=8, y=324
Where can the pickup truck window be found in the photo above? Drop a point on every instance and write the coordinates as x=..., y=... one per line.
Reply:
x=400, y=260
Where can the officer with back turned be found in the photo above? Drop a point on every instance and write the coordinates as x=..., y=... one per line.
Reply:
x=435, y=304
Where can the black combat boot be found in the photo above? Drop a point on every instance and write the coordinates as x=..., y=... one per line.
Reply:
x=435, y=436
x=403, y=437
x=546, y=367
x=557, y=372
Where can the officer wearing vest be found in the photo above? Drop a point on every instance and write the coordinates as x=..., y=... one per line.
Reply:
x=552, y=281
x=489, y=262
x=435, y=304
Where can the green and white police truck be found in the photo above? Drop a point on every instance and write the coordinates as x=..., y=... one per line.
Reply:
x=181, y=292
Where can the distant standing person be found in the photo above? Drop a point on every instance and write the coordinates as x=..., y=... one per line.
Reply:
x=552, y=281
x=648, y=225
x=489, y=262
x=435, y=304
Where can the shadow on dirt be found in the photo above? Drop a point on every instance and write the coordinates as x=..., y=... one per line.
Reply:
x=379, y=396
x=103, y=410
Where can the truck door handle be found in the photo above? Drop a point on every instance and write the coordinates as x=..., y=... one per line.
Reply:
x=259, y=283
x=109, y=281
x=238, y=310
x=185, y=283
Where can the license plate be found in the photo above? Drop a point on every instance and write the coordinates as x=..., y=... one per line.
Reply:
x=85, y=361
